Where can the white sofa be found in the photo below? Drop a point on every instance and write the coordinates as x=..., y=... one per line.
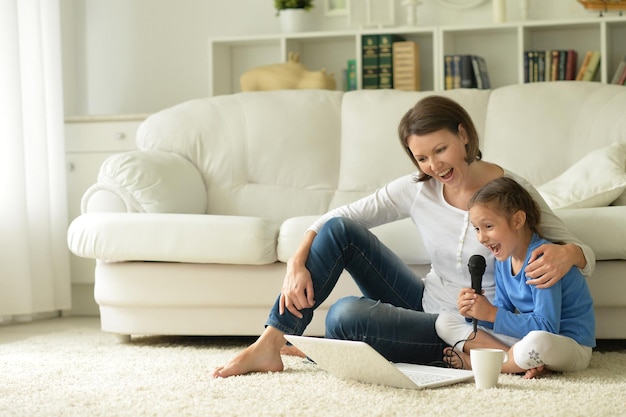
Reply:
x=191, y=233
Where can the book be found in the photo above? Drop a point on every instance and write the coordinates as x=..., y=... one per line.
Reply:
x=456, y=71
x=556, y=55
x=592, y=67
x=541, y=65
x=570, y=66
x=481, y=73
x=547, y=65
x=583, y=66
x=369, y=55
x=619, y=71
x=351, y=75
x=460, y=69
x=406, y=66
x=385, y=59
x=448, y=72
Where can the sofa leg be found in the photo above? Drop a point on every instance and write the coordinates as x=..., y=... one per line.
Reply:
x=122, y=338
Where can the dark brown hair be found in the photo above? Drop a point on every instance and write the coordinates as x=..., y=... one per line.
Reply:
x=506, y=196
x=433, y=113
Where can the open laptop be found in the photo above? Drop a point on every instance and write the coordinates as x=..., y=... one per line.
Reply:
x=358, y=361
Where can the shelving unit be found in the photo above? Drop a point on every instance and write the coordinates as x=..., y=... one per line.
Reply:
x=502, y=45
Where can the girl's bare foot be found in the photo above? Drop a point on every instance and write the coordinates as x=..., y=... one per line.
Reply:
x=456, y=359
x=537, y=372
x=261, y=356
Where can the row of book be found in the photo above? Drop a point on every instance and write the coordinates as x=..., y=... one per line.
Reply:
x=619, y=76
x=558, y=65
x=466, y=71
x=389, y=61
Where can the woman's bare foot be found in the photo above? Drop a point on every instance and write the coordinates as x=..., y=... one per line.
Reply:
x=537, y=372
x=456, y=359
x=261, y=356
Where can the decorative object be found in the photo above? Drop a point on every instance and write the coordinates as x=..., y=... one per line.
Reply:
x=371, y=13
x=499, y=10
x=411, y=11
x=335, y=7
x=461, y=4
x=603, y=6
x=289, y=75
x=280, y=5
x=293, y=15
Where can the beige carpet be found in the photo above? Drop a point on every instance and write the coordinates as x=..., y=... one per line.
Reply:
x=83, y=372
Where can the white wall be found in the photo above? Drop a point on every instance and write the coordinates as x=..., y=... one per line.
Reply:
x=139, y=56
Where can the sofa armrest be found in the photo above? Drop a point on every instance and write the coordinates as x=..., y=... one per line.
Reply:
x=146, y=182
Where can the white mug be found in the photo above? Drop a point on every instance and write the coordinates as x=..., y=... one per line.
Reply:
x=487, y=365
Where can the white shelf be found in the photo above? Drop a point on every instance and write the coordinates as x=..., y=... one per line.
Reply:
x=502, y=45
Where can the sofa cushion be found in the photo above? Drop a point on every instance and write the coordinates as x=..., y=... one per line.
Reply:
x=594, y=181
x=371, y=153
x=194, y=238
x=268, y=154
x=539, y=130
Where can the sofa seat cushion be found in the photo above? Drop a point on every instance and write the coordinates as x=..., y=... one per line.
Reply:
x=194, y=238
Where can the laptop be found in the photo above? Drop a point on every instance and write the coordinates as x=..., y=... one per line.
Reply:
x=358, y=361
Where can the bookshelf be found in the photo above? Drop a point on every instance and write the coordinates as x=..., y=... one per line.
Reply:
x=502, y=45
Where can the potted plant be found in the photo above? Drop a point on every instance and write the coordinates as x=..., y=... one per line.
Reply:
x=293, y=14
x=292, y=4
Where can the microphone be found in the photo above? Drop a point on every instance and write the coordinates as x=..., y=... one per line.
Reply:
x=477, y=266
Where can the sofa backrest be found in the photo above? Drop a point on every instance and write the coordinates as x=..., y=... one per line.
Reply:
x=539, y=130
x=265, y=154
x=371, y=153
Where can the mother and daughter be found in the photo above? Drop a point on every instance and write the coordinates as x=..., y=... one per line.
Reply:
x=531, y=312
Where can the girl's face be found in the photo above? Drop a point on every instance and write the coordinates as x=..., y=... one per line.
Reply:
x=495, y=231
x=441, y=155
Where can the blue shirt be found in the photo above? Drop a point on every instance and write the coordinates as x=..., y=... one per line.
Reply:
x=566, y=308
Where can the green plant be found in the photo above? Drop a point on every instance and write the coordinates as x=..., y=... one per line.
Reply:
x=292, y=4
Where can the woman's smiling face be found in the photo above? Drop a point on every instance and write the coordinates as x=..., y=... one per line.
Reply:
x=441, y=155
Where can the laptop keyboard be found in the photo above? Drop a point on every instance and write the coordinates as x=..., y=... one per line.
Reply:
x=421, y=378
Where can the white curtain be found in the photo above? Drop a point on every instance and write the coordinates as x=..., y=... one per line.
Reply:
x=34, y=260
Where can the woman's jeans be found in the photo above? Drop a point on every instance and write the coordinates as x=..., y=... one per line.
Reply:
x=389, y=317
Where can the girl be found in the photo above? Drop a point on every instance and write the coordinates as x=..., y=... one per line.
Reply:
x=541, y=328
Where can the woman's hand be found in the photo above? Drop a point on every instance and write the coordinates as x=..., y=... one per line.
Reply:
x=297, y=291
x=550, y=262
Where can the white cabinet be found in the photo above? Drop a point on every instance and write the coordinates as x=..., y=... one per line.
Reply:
x=502, y=45
x=89, y=140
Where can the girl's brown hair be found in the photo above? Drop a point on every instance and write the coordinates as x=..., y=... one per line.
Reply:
x=434, y=113
x=506, y=196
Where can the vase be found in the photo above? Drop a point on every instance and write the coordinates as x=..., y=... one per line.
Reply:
x=294, y=20
x=499, y=10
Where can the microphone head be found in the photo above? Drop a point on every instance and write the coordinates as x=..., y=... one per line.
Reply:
x=477, y=264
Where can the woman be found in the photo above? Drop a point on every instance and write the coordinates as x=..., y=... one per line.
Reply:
x=543, y=329
x=398, y=311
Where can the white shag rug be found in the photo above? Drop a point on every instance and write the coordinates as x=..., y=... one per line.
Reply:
x=83, y=372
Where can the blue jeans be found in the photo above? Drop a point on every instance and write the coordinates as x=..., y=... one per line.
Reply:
x=389, y=317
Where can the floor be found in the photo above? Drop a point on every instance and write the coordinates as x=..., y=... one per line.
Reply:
x=14, y=332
